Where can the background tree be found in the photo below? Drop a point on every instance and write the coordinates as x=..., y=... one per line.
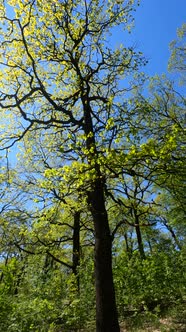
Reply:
x=177, y=62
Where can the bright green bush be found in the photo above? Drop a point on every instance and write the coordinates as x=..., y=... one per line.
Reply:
x=152, y=284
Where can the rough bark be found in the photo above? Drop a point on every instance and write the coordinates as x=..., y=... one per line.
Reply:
x=106, y=313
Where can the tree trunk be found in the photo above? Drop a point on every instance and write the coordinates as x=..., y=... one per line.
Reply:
x=128, y=249
x=170, y=229
x=76, y=246
x=139, y=237
x=106, y=313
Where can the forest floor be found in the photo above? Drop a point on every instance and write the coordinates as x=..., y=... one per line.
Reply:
x=163, y=325
x=172, y=321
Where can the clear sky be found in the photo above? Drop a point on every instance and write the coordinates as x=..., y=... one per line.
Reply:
x=155, y=27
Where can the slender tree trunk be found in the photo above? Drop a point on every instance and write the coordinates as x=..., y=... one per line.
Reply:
x=76, y=246
x=170, y=229
x=128, y=249
x=150, y=247
x=139, y=237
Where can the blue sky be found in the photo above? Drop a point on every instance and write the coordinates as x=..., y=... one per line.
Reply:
x=156, y=22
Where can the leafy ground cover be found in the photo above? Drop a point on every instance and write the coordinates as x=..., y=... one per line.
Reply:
x=174, y=321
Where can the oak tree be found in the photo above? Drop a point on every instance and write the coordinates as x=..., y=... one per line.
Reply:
x=59, y=73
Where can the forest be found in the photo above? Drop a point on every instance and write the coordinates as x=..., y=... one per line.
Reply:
x=92, y=172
